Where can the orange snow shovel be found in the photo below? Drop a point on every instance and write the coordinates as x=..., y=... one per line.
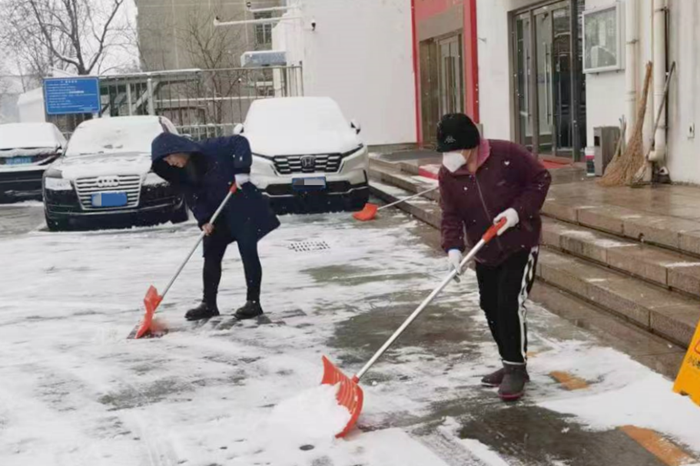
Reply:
x=369, y=212
x=152, y=299
x=350, y=393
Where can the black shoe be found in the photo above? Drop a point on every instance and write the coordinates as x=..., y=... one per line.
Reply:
x=203, y=311
x=251, y=310
x=515, y=377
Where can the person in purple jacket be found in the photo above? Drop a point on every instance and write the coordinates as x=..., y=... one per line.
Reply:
x=481, y=182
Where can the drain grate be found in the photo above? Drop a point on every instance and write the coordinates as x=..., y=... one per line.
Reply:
x=306, y=246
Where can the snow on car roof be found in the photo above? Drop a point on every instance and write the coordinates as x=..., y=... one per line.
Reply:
x=30, y=135
x=114, y=135
x=295, y=114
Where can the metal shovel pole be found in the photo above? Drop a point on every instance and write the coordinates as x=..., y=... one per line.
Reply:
x=231, y=192
x=407, y=198
x=493, y=231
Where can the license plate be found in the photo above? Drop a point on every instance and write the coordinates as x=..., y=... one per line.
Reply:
x=304, y=184
x=116, y=199
x=18, y=161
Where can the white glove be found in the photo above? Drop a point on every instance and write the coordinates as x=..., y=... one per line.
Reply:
x=242, y=179
x=512, y=219
x=454, y=260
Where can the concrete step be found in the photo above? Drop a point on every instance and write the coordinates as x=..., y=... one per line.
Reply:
x=656, y=265
x=661, y=311
x=412, y=184
x=660, y=217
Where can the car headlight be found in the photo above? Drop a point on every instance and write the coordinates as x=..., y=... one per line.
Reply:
x=57, y=184
x=153, y=180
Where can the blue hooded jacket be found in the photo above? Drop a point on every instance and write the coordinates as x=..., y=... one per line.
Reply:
x=206, y=179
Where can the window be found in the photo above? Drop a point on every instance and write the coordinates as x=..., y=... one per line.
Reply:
x=263, y=32
x=602, y=40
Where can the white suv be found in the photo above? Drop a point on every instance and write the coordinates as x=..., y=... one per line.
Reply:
x=306, y=155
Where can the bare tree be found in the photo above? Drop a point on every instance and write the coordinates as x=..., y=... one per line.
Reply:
x=73, y=35
x=215, y=50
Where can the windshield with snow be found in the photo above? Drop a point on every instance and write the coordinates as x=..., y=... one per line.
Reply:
x=113, y=136
x=29, y=135
x=295, y=116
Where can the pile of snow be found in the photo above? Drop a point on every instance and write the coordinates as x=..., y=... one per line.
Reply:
x=308, y=417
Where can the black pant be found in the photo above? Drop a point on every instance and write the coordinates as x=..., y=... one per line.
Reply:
x=503, y=291
x=214, y=249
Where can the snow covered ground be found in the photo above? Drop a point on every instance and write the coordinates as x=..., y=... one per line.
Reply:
x=74, y=391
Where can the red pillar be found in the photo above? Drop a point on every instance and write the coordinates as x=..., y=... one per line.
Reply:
x=416, y=80
x=471, y=60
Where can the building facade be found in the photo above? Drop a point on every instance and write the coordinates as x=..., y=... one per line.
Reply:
x=180, y=34
x=360, y=54
x=447, y=61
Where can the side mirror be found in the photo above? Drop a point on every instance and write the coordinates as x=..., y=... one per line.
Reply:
x=238, y=129
x=356, y=126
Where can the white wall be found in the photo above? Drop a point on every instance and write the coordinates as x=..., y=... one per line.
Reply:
x=495, y=70
x=30, y=106
x=606, y=92
x=361, y=56
x=684, y=105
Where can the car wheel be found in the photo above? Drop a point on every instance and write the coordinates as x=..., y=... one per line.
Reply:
x=180, y=215
x=56, y=225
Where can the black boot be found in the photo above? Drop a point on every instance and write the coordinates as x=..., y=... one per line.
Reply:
x=494, y=379
x=203, y=311
x=251, y=310
x=515, y=377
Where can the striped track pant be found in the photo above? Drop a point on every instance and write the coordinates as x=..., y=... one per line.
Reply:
x=503, y=292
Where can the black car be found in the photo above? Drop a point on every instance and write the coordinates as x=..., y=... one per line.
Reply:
x=105, y=177
x=26, y=150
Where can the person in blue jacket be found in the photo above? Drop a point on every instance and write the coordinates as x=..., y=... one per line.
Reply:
x=204, y=172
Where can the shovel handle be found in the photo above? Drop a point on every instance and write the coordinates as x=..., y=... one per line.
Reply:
x=231, y=192
x=407, y=198
x=493, y=231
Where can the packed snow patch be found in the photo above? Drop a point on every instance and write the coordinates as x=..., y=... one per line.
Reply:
x=311, y=415
x=483, y=452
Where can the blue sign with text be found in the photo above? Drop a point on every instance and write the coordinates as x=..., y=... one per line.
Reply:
x=64, y=96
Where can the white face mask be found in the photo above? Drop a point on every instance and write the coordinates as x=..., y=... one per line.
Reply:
x=453, y=161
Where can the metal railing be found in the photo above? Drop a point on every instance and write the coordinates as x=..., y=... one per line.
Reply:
x=200, y=103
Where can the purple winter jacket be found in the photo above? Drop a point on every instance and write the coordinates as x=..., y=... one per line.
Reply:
x=507, y=176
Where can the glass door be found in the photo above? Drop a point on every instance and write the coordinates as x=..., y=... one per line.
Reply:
x=451, y=75
x=544, y=80
x=523, y=73
x=545, y=116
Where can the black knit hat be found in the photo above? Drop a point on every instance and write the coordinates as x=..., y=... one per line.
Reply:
x=456, y=131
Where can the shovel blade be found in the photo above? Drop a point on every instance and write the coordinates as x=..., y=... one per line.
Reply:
x=349, y=393
x=369, y=212
x=151, y=302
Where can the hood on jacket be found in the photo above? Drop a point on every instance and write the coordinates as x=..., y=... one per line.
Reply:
x=482, y=155
x=166, y=144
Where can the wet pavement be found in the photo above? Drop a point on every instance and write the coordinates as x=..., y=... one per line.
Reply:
x=190, y=397
x=17, y=219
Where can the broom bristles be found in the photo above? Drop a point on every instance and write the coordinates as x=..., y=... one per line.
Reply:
x=626, y=165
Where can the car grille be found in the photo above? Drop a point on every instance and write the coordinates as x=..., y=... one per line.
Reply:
x=308, y=164
x=129, y=184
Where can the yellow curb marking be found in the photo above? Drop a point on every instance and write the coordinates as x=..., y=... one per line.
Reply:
x=570, y=382
x=663, y=449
